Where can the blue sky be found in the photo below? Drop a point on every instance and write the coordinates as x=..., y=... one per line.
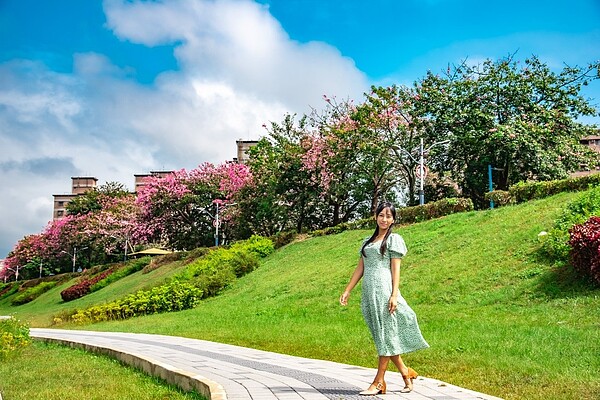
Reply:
x=115, y=88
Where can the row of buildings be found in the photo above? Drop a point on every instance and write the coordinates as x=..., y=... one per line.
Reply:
x=81, y=184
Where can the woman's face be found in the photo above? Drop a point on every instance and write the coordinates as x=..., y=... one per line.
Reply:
x=384, y=219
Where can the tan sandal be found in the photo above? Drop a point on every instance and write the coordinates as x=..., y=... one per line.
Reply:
x=408, y=380
x=375, y=389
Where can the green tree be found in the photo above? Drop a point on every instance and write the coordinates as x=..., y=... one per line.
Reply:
x=283, y=196
x=520, y=118
x=388, y=135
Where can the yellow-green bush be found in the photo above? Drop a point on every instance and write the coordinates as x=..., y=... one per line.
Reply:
x=14, y=336
x=174, y=296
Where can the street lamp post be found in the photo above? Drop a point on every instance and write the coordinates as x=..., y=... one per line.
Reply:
x=216, y=220
x=491, y=183
x=16, y=271
x=126, y=245
x=421, y=163
x=74, y=256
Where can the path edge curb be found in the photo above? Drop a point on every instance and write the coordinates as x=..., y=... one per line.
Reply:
x=185, y=380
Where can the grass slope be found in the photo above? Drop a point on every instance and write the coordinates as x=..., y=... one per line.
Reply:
x=41, y=311
x=499, y=318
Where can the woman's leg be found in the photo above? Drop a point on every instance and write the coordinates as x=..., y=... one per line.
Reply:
x=378, y=384
x=381, y=368
x=408, y=374
x=397, y=360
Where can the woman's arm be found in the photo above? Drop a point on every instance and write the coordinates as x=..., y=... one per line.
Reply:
x=356, y=276
x=395, y=269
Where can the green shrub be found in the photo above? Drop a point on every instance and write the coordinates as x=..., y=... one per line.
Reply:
x=259, y=245
x=280, y=239
x=192, y=255
x=33, y=293
x=499, y=197
x=213, y=282
x=159, y=261
x=14, y=336
x=578, y=211
x=440, y=208
x=405, y=215
x=130, y=268
x=174, y=296
x=525, y=191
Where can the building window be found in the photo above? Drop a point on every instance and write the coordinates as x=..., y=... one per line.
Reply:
x=60, y=213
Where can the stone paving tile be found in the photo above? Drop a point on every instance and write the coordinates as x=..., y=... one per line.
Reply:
x=249, y=374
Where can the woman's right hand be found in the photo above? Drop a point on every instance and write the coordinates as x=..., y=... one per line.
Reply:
x=344, y=298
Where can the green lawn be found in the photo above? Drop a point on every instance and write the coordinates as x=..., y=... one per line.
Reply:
x=499, y=318
x=51, y=372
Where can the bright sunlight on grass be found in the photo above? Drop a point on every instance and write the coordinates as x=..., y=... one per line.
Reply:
x=500, y=318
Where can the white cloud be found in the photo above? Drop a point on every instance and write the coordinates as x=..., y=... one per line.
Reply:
x=238, y=70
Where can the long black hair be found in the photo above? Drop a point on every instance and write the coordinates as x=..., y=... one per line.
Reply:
x=383, y=248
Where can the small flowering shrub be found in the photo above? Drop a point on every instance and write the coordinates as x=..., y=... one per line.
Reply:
x=33, y=293
x=82, y=288
x=14, y=336
x=174, y=296
x=585, y=248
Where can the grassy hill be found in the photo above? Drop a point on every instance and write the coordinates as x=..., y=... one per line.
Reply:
x=498, y=317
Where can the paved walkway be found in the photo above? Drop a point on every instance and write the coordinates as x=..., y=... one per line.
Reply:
x=226, y=372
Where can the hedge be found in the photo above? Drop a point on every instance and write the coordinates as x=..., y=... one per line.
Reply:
x=82, y=288
x=525, y=191
x=174, y=296
x=128, y=269
x=406, y=215
x=33, y=293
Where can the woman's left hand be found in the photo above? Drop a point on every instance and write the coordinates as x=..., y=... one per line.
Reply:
x=392, y=304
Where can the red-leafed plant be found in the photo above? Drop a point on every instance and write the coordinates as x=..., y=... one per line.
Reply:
x=585, y=248
x=82, y=288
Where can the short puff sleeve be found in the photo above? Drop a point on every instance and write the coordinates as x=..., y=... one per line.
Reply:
x=396, y=246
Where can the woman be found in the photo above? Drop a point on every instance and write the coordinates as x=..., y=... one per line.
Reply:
x=393, y=324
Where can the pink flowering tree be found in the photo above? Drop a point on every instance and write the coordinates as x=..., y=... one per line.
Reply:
x=26, y=257
x=112, y=228
x=332, y=156
x=178, y=210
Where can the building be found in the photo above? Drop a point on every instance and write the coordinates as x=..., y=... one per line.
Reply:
x=79, y=185
x=242, y=148
x=592, y=142
x=140, y=178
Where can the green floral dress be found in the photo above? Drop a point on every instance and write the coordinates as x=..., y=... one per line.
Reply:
x=396, y=333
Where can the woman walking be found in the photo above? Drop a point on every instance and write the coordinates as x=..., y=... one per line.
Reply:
x=393, y=324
